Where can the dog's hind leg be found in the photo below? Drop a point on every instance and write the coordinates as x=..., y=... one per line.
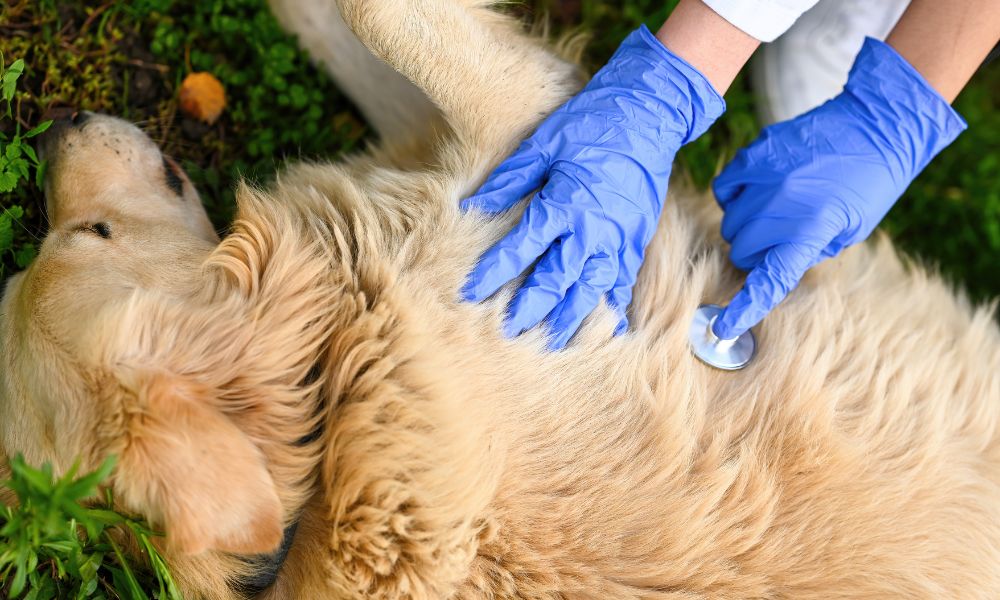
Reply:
x=393, y=106
x=492, y=83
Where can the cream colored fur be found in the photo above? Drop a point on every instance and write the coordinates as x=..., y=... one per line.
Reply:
x=857, y=457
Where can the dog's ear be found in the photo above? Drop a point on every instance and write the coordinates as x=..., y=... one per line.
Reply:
x=209, y=385
x=186, y=466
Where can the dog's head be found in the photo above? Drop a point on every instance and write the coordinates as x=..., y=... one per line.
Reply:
x=119, y=339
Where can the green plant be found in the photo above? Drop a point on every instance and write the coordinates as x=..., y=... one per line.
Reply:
x=267, y=78
x=17, y=161
x=22, y=254
x=53, y=544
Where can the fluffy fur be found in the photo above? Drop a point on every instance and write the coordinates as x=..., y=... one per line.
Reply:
x=319, y=367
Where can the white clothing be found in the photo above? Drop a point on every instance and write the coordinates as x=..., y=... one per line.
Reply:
x=809, y=63
x=762, y=19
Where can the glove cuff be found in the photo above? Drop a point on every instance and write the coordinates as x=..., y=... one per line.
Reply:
x=683, y=100
x=902, y=104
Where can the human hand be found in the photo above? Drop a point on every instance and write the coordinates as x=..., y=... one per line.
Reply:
x=604, y=159
x=811, y=186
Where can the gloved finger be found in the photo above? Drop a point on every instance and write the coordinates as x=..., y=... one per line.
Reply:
x=620, y=309
x=546, y=286
x=599, y=274
x=751, y=244
x=620, y=295
x=509, y=257
x=750, y=206
x=729, y=184
x=766, y=286
x=754, y=166
x=622, y=326
x=832, y=249
x=522, y=173
x=630, y=261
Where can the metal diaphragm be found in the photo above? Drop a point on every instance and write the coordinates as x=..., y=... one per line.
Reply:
x=728, y=355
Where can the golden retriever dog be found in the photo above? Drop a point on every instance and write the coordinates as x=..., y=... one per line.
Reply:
x=308, y=410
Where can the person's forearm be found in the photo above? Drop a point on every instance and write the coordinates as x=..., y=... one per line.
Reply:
x=946, y=41
x=708, y=42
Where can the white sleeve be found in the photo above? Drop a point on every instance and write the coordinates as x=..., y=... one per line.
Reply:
x=763, y=19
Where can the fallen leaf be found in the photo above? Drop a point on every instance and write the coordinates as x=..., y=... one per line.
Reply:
x=202, y=97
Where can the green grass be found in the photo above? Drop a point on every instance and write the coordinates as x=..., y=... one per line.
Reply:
x=58, y=542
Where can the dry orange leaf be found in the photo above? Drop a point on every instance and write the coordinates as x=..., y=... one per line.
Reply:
x=202, y=97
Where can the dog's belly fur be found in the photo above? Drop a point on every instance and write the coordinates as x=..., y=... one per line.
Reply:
x=856, y=457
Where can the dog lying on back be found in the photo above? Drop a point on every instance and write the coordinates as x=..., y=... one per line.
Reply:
x=308, y=410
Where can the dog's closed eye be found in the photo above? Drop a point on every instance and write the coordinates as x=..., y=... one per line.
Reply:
x=172, y=172
x=101, y=229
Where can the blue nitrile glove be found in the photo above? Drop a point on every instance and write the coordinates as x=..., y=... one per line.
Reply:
x=811, y=186
x=604, y=159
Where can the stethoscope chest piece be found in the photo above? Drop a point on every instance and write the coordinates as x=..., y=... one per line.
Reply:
x=728, y=355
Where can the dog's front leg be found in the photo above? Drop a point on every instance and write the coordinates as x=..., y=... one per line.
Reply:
x=492, y=83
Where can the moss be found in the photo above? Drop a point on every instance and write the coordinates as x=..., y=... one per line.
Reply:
x=128, y=59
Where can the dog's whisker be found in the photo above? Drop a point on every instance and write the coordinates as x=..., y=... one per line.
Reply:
x=25, y=227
